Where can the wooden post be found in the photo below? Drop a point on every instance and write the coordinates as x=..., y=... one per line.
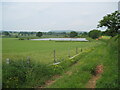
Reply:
x=81, y=49
x=28, y=60
x=68, y=52
x=7, y=61
x=54, y=56
x=76, y=50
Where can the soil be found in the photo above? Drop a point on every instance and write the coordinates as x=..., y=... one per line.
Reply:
x=51, y=81
x=92, y=82
x=68, y=73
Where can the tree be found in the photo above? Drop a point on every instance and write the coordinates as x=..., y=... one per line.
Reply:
x=94, y=34
x=39, y=34
x=73, y=34
x=112, y=22
x=109, y=33
x=6, y=33
x=84, y=34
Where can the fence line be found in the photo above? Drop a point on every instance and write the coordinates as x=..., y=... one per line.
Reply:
x=54, y=56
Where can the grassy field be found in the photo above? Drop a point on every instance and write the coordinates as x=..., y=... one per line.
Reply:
x=41, y=51
x=75, y=73
x=79, y=75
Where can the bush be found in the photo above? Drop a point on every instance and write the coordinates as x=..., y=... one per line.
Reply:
x=19, y=74
x=39, y=34
x=21, y=39
x=94, y=34
x=73, y=34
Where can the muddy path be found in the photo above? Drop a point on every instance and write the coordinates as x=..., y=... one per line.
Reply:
x=92, y=82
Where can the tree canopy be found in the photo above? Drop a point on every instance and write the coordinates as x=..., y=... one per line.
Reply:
x=73, y=34
x=112, y=22
x=39, y=34
x=6, y=33
x=94, y=34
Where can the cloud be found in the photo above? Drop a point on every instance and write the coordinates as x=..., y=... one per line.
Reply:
x=0, y=16
x=60, y=0
x=54, y=16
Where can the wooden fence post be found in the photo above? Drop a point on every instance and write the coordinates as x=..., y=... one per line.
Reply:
x=54, y=54
x=28, y=60
x=7, y=61
x=68, y=52
x=76, y=50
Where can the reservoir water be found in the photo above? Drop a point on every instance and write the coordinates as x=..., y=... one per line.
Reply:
x=61, y=39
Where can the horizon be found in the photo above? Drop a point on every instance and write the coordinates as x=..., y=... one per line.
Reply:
x=41, y=31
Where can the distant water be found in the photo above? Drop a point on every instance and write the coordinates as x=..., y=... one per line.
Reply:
x=62, y=39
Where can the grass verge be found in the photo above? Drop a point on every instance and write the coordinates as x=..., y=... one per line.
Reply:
x=105, y=54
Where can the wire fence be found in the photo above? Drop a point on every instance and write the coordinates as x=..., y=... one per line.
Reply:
x=56, y=59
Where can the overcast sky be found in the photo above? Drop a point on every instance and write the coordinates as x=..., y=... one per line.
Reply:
x=46, y=16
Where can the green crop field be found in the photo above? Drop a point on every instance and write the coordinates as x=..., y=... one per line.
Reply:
x=41, y=51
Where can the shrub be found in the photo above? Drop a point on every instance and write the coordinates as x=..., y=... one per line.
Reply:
x=94, y=34
x=19, y=74
x=73, y=34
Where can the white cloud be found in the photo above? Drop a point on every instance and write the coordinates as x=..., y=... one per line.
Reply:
x=60, y=0
x=54, y=16
x=0, y=16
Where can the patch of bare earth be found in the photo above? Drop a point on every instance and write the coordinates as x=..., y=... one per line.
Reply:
x=51, y=81
x=68, y=73
x=92, y=82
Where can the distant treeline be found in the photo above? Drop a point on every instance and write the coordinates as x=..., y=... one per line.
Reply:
x=23, y=34
x=93, y=34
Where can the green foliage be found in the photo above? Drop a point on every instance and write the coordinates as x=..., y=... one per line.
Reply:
x=39, y=34
x=94, y=34
x=84, y=35
x=6, y=33
x=112, y=22
x=19, y=74
x=73, y=34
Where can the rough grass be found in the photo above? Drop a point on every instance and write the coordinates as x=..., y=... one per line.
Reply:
x=106, y=54
x=109, y=78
